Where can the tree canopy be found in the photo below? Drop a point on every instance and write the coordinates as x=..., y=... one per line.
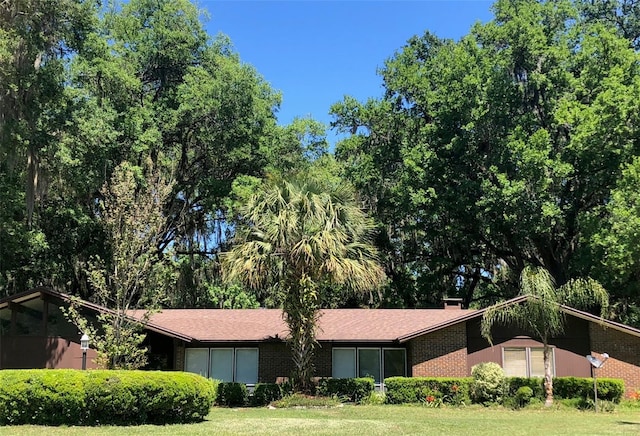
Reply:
x=516, y=145
x=297, y=235
x=496, y=151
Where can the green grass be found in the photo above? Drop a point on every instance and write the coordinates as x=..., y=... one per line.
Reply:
x=376, y=420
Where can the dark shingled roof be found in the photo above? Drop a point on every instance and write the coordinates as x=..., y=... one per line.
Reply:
x=338, y=325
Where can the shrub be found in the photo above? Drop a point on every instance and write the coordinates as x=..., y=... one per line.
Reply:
x=137, y=397
x=346, y=389
x=265, y=393
x=232, y=394
x=71, y=397
x=589, y=404
x=609, y=389
x=374, y=398
x=42, y=397
x=401, y=390
x=536, y=384
x=523, y=395
x=489, y=383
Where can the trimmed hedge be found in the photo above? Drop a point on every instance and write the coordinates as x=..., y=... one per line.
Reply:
x=536, y=385
x=609, y=389
x=349, y=389
x=401, y=390
x=265, y=393
x=232, y=394
x=72, y=397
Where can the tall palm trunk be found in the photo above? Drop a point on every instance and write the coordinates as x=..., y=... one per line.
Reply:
x=301, y=314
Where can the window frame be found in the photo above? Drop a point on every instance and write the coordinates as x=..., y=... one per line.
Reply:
x=404, y=355
x=527, y=350
x=234, y=363
x=186, y=359
x=355, y=359
x=380, y=350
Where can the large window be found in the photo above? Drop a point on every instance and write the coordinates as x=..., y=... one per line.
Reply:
x=525, y=362
x=369, y=362
x=224, y=364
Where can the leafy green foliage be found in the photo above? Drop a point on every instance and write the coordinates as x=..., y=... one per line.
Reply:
x=349, y=389
x=296, y=236
x=609, y=389
x=536, y=385
x=232, y=394
x=400, y=390
x=616, y=242
x=498, y=150
x=139, y=84
x=541, y=313
x=523, y=395
x=489, y=383
x=265, y=393
x=71, y=397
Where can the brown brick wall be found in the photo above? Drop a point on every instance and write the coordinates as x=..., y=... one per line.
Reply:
x=323, y=360
x=178, y=355
x=439, y=354
x=274, y=362
x=624, y=360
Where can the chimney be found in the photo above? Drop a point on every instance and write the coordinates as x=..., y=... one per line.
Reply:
x=451, y=303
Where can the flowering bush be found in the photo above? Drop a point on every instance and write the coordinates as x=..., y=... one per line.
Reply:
x=489, y=383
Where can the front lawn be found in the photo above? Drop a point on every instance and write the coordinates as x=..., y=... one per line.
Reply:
x=375, y=420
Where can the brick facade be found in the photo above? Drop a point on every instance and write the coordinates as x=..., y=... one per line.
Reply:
x=442, y=353
x=274, y=362
x=624, y=360
x=178, y=355
x=323, y=360
x=447, y=353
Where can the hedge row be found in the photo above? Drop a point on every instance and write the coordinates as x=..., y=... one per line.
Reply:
x=456, y=390
x=347, y=389
x=233, y=394
x=72, y=397
x=401, y=390
x=610, y=389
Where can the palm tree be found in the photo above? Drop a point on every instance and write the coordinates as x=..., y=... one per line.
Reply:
x=541, y=313
x=299, y=235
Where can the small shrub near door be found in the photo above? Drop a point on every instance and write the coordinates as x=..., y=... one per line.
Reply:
x=72, y=397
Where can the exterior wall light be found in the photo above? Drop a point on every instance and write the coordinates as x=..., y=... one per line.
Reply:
x=84, y=346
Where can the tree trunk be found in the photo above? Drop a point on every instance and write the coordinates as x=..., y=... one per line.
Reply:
x=301, y=314
x=548, y=379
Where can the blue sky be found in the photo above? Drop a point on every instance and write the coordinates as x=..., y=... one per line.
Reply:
x=315, y=52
